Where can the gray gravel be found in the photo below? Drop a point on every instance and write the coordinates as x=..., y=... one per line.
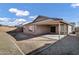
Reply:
x=66, y=46
x=20, y=36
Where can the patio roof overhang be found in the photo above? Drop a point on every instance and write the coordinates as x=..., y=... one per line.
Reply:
x=48, y=22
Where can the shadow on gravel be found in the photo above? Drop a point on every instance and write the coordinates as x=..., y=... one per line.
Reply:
x=37, y=51
x=19, y=35
x=66, y=46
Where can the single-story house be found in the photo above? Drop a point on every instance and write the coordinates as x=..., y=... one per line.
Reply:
x=43, y=25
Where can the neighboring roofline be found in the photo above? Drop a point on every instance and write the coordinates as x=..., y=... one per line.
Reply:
x=66, y=22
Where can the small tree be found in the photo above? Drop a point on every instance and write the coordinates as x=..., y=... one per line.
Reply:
x=73, y=23
x=0, y=24
x=77, y=24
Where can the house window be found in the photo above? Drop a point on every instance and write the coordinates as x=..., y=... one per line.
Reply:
x=31, y=28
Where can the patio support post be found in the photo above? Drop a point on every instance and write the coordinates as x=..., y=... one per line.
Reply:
x=34, y=28
x=59, y=31
x=64, y=29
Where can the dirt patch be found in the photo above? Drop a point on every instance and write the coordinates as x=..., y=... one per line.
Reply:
x=7, y=47
x=6, y=28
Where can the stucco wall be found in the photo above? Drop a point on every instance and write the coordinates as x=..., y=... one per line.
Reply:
x=77, y=31
x=69, y=29
x=36, y=29
x=28, y=29
x=64, y=29
x=42, y=29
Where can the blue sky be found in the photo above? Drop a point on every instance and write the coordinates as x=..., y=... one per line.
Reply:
x=14, y=13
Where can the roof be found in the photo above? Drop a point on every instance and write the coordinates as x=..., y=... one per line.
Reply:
x=43, y=18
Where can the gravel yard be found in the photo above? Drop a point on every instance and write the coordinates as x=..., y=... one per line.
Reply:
x=66, y=46
x=29, y=43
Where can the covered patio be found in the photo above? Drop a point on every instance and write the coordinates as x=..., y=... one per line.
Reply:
x=54, y=27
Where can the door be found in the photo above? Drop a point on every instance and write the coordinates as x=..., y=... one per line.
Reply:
x=53, y=29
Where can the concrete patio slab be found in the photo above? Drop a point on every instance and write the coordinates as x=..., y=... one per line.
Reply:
x=52, y=36
x=32, y=44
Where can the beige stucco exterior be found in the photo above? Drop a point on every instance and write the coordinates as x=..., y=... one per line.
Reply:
x=36, y=29
x=42, y=29
x=27, y=30
x=69, y=29
x=77, y=31
x=39, y=29
x=63, y=29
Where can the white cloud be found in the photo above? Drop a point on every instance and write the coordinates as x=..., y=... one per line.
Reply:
x=74, y=5
x=19, y=12
x=20, y=20
x=13, y=10
x=4, y=19
x=12, y=21
x=33, y=17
